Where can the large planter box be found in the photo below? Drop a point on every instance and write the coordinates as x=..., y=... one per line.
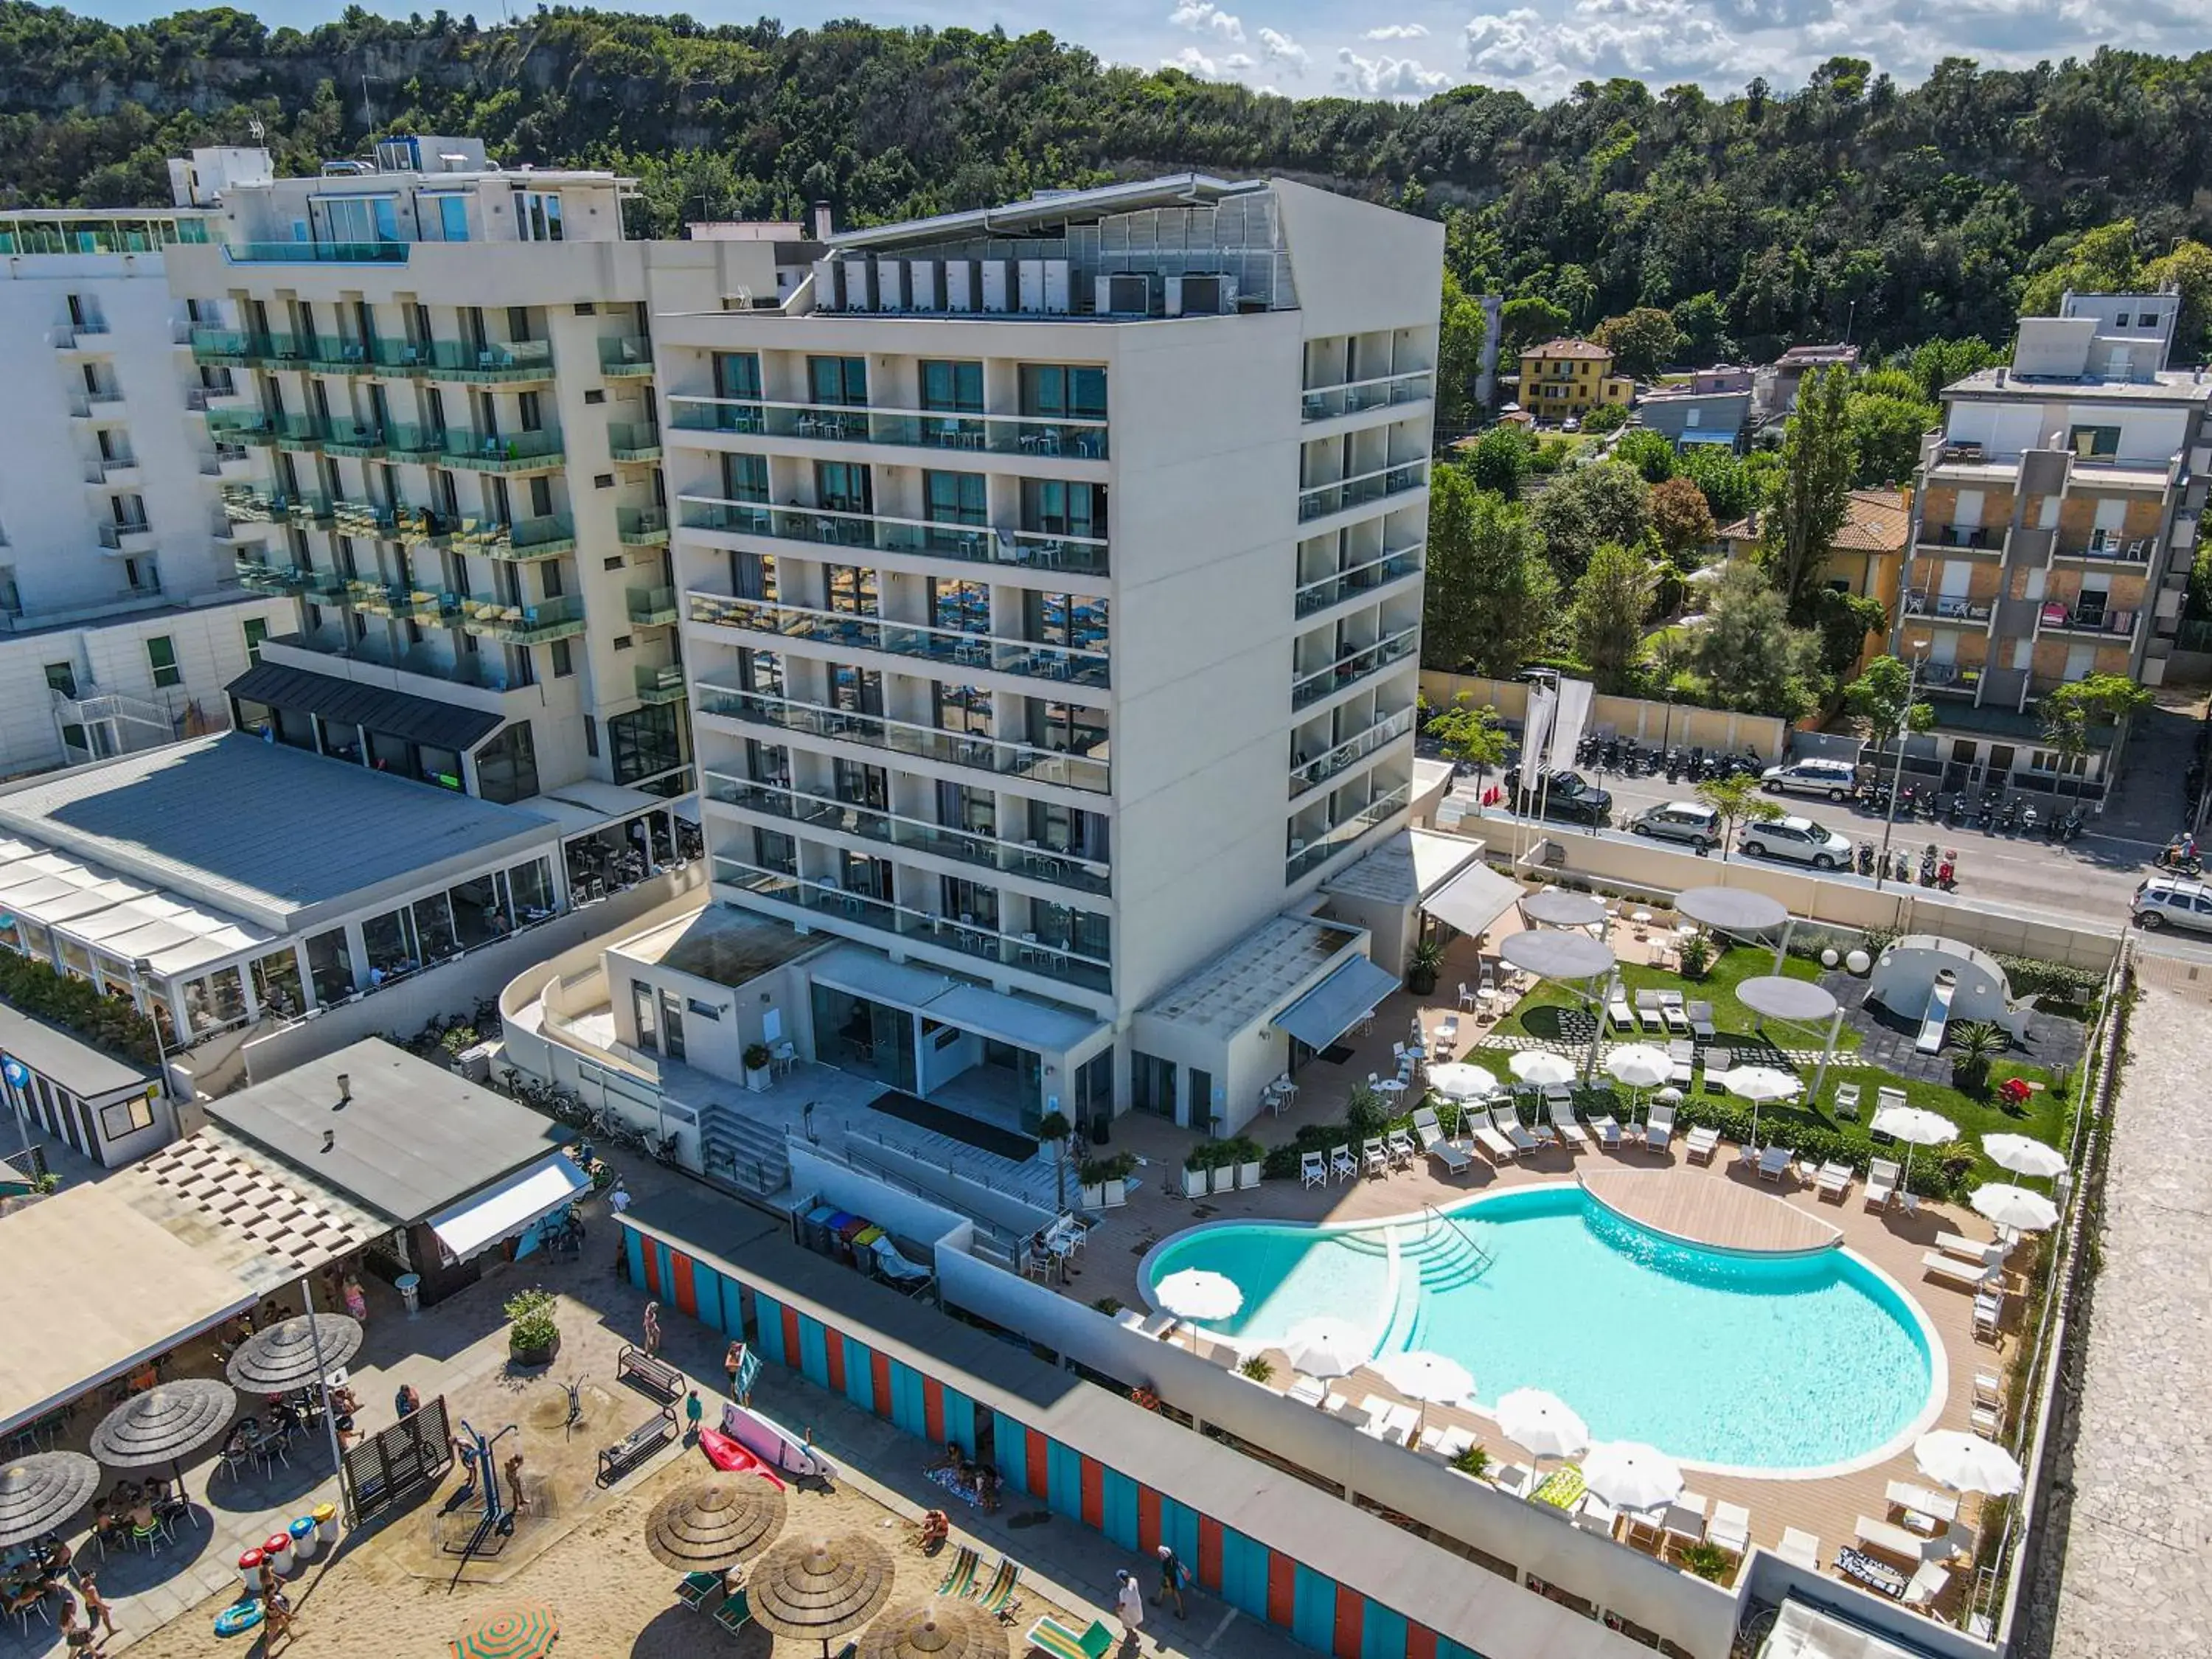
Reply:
x=1248, y=1175
x=1116, y=1195
x=1196, y=1183
x=1091, y=1198
x=1224, y=1178
x=757, y=1081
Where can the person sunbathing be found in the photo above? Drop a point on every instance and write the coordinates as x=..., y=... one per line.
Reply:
x=936, y=1528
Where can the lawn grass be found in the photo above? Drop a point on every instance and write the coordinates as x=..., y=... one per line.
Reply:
x=1536, y=1015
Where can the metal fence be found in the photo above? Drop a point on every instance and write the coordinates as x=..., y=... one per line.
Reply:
x=392, y=1469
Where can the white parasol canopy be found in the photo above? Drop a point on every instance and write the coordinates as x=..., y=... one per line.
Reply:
x=1916, y=1125
x=1198, y=1293
x=1541, y=1424
x=2015, y=1206
x=1629, y=1475
x=1640, y=1065
x=1430, y=1379
x=1967, y=1463
x=1541, y=1066
x=1758, y=1085
x=2024, y=1155
x=1324, y=1347
x=1456, y=1079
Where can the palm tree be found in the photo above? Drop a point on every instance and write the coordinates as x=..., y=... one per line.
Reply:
x=1978, y=1042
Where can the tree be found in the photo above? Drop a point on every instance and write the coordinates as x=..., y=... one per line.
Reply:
x=1881, y=697
x=1736, y=800
x=1940, y=363
x=1720, y=475
x=2188, y=269
x=1703, y=325
x=1649, y=453
x=1748, y=652
x=2099, y=261
x=1840, y=623
x=1459, y=357
x=1606, y=620
x=1472, y=736
x=1886, y=433
x=1491, y=601
x=1606, y=418
x=1643, y=342
x=1498, y=460
x=1818, y=460
x=1529, y=321
x=1681, y=517
x=2073, y=713
x=1606, y=502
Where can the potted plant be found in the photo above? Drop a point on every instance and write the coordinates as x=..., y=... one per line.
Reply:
x=1105, y=1181
x=1224, y=1166
x=756, y=1058
x=1473, y=1462
x=1052, y=1133
x=1707, y=1561
x=1250, y=1161
x=1424, y=965
x=532, y=1337
x=1976, y=1043
x=1257, y=1369
x=1198, y=1165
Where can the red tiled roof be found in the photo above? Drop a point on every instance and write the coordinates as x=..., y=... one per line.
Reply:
x=1877, y=521
x=1566, y=347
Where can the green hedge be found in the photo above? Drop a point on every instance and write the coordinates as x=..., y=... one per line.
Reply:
x=77, y=1005
x=2032, y=977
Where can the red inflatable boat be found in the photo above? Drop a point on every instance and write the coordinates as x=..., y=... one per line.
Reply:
x=726, y=1454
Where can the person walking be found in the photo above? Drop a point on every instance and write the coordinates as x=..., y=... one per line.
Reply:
x=1129, y=1604
x=693, y=1410
x=96, y=1612
x=653, y=1327
x=732, y=1363
x=1173, y=1576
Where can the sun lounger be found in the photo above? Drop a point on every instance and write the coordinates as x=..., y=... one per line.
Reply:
x=1447, y=1443
x=959, y=1578
x=1307, y=1391
x=1967, y=1275
x=1659, y=1128
x=1835, y=1180
x=1504, y=1120
x=1618, y=1014
x=1672, y=1011
x=1800, y=1549
x=1000, y=1598
x=1889, y=1538
x=1497, y=1147
x=1606, y=1129
x=1595, y=1515
x=1988, y=1252
x=1058, y=1641
x=1931, y=1582
x=895, y=1269
x=1684, y=1519
x=1430, y=1134
x=694, y=1590
x=1719, y=1063
x=1731, y=1528
x=1701, y=1021
x=735, y=1613
x=1386, y=1420
x=1881, y=1183
x=1774, y=1164
x=1560, y=1115
x=1701, y=1142
x=1344, y=1410
x=1515, y=1479
x=1646, y=1011
x=1905, y=1495
x=1877, y=1576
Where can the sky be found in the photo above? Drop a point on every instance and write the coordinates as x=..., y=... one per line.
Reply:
x=1407, y=49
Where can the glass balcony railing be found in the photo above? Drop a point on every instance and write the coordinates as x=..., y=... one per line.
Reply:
x=1353, y=667
x=1037, y=550
x=483, y=670
x=490, y=616
x=993, y=755
x=1308, y=856
x=363, y=519
x=629, y=357
x=1054, y=958
x=1343, y=757
x=516, y=542
x=1041, y=435
x=1320, y=594
x=1349, y=397
x=315, y=253
x=1321, y=500
x=400, y=603
x=634, y=440
x=398, y=358
x=641, y=527
x=654, y=607
x=1085, y=666
x=659, y=685
x=289, y=581
x=513, y=452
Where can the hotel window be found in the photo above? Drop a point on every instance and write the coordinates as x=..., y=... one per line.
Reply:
x=856, y=691
x=257, y=629
x=736, y=374
x=538, y=216
x=1067, y=727
x=161, y=657
x=1056, y=391
x=851, y=590
x=1057, y=508
x=744, y=477
x=957, y=389
x=775, y=850
x=444, y=217
x=838, y=380
x=360, y=218
x=963, y=607
x=964, y=708
x=2089, y=442
x=844, y=487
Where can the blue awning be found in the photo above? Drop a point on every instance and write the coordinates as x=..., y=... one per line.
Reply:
x=1338, y=1003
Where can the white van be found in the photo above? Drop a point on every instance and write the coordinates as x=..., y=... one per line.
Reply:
x=1835, y=779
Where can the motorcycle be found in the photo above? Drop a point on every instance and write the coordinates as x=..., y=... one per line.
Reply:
x=1928, y=864
x=1985, y=813
x=1957, y=815
x=1675, y=765
x=2008, y=820
x=2071, y=828
x=2027, y=821
x=1866, y=857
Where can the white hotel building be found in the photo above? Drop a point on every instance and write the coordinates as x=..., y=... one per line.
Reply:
x=1051, y=597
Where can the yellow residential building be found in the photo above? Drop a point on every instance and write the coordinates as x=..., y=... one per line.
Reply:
x=1564, y=378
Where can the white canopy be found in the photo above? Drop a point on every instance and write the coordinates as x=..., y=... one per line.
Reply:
x=1473, y=899
x=504, y=1210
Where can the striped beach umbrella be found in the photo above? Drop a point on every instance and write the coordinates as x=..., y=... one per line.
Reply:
x=527, y=1632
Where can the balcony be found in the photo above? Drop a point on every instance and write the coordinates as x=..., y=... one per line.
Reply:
x=1377, y=573
x=520, y=542
x=484, y=671
x=1046, y=864
x=1353, y=667
x=1305, y=775
x=289, y=581
x=1054, y=958
x=654, y=607
x=490, y=617
x=957, y=649
x=114, y=472
x=298, y=432
x=99, y=407
x=519, y=451
x=818, y=526
x=132, y=540
x=1961, y=538
x=83, y=338
x=399, y=603
x=1038, y=435
x=230, y=463
x=1956, y=611
x=1951, y=678
x=315, y=253
x=1319, y=501
x=1306, y=857
x=2108, y=547
x=2107, y=621
x=629, y=358
x=992, y=755
x=634, y=440
x=1354, y=397
x=364, y=519
x=641, y=527
x=659, y=685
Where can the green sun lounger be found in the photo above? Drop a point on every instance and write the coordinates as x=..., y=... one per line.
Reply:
x=1049, y=1637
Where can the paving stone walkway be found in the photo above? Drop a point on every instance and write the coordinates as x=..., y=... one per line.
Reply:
x=2136, y=1578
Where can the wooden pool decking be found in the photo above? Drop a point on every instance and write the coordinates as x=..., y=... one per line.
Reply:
x=1723, y=1214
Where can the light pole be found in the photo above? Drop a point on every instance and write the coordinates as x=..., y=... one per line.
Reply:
x=1897, y=772
x=142, y=970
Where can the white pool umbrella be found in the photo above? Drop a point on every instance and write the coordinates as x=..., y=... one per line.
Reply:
x=1428, y=1379
x=1540, y=1423
x=1967, y=1463
x=2015, y=1206
x=1640, y=1065
x=1540, y=1065
x=1631, y=1476
x=1197, y=1293
x=1457, y=1080
x=1916, y=1125
x=1758, y=1085
x=2024, y=1155
x=1323, y=1347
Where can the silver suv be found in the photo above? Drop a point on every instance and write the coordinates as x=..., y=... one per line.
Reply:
x=1835, y=779
x=1800, y=841
x=2171, y=902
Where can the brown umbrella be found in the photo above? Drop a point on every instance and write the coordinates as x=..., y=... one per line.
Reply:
x=942, y=1627
x=715, y=1521
x=819, y=1587
x=40, y=1491
x=292, y=1354
x=164, y=1423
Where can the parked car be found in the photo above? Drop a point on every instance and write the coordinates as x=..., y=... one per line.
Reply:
x=1799, y=841
x=1680, y=820
x=2171, y=901
x=1835, y=779
x=1571, y=797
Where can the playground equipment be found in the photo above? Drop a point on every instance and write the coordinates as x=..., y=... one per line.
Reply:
x=1936, y=981
x=497, y=1519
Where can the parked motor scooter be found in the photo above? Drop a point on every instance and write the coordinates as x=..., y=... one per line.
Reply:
x=1928, y=864
x=1866, y=857
x=2027, y=820
x=1946, y=872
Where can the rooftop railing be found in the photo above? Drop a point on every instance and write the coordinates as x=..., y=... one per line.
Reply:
x=1039, y=549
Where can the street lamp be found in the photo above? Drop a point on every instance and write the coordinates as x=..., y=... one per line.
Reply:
x=142, y=970
x=1919, y=649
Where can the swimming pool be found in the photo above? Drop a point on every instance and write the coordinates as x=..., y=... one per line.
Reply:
x=1770, y=1365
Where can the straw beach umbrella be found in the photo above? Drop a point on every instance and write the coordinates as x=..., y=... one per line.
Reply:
x=39, y=1492
x=942, y=1627
x=715, y=1521
x=304, y=1349
x=818, y=1587
x=164, y=1423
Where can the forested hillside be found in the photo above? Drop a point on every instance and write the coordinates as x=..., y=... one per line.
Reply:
x=1927, y=208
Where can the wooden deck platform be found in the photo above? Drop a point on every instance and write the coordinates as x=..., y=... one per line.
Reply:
x=1724, y=1214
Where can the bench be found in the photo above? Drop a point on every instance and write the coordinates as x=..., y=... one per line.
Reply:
x=654, y=1376
x=640, y=1443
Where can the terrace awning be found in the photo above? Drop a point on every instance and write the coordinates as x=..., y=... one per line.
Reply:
x=1472, y=899
x=1332, y=1008
x=1803, y=1632
x=505, y=1209
x=347, y=703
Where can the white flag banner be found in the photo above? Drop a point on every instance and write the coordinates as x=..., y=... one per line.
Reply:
x=1535, y=730
x=1568, y=722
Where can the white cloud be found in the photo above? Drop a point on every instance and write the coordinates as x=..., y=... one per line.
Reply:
x=1191, y=61
x=1655, y=40
x=1386, y=76
x=1398, y=31
x=1279, y=48
x=1237, y=63
x=1204, y=17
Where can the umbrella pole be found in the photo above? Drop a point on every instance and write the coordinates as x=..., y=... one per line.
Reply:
x=1828, y=1054
x=322, y=1379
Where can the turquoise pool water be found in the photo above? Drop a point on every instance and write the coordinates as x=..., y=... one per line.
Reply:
x=1751, y=1362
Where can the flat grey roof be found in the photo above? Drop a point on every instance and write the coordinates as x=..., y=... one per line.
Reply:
x=1055, y=207
x=71, y=1061
x=268, y=830
x=408, y=1139
x=2172, y=386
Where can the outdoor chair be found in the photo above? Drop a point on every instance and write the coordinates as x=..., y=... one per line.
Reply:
x=1340, y=1161
x=1730, y=1528
x=1884, y=1098
x=1834, y=1179
x=1774, y=1164
x=1498, y=1148
x=1881, y=1183
x=1659, y=1127
x=1399, y=1146
x=1929, y=1582
x=1312, y=1172
x=696, y=1589
x=1800, y=1549
x=1701, y=1021
x=1373, y=1160
x=1560, y=1116
x=1608, y=1131
x=1847, y=1100
x=1701, y=1142
x=1508, y=1124
x=1646, y=1011
x=1719, y=1063
x=735, y=1613
x=1467, y=998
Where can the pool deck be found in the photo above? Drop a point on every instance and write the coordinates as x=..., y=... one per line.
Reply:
x=1721, y=1215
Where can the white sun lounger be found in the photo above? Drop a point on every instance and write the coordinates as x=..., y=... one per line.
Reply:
x=1571, y=1134
x=1731, y=1528
x=1905, y=1495
x=1701, y=1142
x=1447, y=1442
x=1835, y=1179
x=1881, y=1183
x=1774, y=1164
x=1929, y=1582
x=1986, y=1251
x=1605, y=1126
x=1800, y=1549
x=1617, y=1011
x=1646, y=1011
x=1659, y=1127
x=1595, y=1515
x=1672, y=1011
x=1517, y=1478
x=1504, y=1120
x=1308, y=1391
x=1685, y=1519
x=1497, y=1148
x=1430, y=1134
x=1966, y=1275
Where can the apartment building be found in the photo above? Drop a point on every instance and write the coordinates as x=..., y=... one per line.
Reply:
x=2053, y=528
x=120, y=620
x=1050, y=594
x=1564, y=379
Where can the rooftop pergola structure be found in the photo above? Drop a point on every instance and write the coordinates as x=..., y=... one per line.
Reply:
x=1571, y=958
x=1796, y=1002
x=1738, y=914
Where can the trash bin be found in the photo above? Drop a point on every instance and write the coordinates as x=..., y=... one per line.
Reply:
x=327, y=1522
x=303, y=1539
x=409, y=1286
x=249, y=1570
x=276, y=1551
